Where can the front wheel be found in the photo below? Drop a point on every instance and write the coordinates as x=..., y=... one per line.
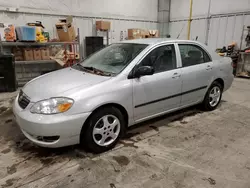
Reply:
x=104, y=129
x=213, y=97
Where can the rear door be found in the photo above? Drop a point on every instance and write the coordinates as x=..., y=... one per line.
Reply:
x=196, y=73
x=159, y=92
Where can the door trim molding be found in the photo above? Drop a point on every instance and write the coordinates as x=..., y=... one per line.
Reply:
x=172, y=96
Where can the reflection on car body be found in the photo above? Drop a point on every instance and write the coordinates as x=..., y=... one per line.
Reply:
x=94, y=102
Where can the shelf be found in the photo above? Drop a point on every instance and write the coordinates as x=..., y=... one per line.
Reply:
x=35, y=62
x=21, y=82
x=26, y=44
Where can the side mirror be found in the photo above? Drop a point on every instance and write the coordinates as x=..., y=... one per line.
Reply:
x=143, y=71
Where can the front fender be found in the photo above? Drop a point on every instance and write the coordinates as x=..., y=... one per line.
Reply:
x=87, y=100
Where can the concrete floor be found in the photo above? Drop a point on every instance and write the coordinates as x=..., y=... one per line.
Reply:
x=185, y=149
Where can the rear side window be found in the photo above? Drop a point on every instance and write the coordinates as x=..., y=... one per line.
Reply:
x=192, y=55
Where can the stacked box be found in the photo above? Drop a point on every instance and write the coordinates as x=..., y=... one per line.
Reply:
x=45, y=55
x=28, y=54
x=142, y=33
x=65, y=30
x=103, y=25
x=37, y=54
x=135, y=34
x=18, y=53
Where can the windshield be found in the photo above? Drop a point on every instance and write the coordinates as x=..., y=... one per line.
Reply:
x=114, y=58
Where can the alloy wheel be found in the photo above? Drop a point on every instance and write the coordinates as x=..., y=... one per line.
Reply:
x=106, y=130
x=214, y=96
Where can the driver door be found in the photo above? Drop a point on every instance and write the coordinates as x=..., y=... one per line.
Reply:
x=160, y=92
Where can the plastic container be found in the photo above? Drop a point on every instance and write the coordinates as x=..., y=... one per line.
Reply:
x=26, y=33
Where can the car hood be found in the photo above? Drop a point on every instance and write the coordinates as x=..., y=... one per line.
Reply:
x=56, y=83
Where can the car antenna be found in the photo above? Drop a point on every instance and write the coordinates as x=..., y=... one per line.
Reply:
x=181, y=31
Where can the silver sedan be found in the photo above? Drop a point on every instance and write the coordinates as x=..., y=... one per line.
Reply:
x=92, y=103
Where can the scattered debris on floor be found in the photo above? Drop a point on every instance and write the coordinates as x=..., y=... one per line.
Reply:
x=183, y=149
x=210, y=180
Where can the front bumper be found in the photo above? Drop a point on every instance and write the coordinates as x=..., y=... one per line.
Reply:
x=66, y=128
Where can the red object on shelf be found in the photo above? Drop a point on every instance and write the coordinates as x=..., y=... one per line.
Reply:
x=72, y=57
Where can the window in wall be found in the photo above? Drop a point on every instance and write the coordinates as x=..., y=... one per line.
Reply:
x=192, y=55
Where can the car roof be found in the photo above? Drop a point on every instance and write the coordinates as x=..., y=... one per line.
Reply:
x=151, y=41
x=155, y=41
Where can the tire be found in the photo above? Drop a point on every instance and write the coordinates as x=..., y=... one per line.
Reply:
x=207, y=104
x=102, y=131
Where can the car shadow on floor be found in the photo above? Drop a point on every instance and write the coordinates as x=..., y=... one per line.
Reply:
x=21, y=145
x=163, y=120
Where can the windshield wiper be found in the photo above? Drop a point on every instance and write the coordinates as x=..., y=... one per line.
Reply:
x=98, y=71
x=79, y=66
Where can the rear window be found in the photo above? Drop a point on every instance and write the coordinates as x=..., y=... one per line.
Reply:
x=192, y=55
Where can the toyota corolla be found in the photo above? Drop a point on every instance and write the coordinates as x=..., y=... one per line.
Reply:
x=93, y=102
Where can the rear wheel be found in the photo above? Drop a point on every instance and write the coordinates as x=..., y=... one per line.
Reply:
x=213, y=96
x=104, y=129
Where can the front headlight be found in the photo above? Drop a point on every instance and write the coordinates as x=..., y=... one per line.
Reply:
x=52, y=106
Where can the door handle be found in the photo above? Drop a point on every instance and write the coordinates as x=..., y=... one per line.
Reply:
x=208, y=67
x=176, y=75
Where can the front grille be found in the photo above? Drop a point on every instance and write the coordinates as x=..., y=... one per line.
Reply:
x=23, y=100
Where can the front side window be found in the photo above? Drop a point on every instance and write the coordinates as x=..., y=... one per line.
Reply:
x=161, y=59
x=114, y=58
x=192, y=55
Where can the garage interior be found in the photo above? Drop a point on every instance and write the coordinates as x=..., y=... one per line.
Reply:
x=184, y=149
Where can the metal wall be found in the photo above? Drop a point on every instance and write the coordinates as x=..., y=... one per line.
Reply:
x=121, y=14
x=163, y=17
x=130, y=9
x=226, y=19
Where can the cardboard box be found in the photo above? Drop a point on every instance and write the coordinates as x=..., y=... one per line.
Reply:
x=144, y=33
x=136, y=33
x=102, y=25
x=19, y=58
x=65, y=30
x=131, y=38
x=37, y=54
x=28, y=54
x=141, y=33
x=53, y=50
x=60, y=57
x=18, y=53
x=45, y=54
x=153, y=33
